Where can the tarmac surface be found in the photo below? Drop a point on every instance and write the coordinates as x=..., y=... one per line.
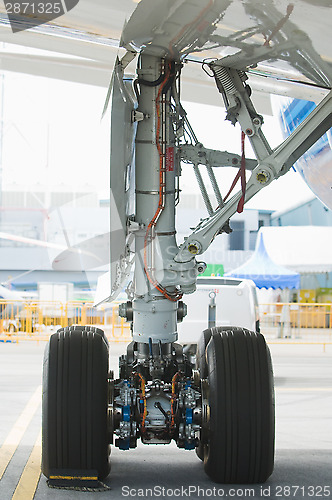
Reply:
x=303, y=465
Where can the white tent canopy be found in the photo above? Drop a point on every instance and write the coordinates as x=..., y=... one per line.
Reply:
x=305, y=249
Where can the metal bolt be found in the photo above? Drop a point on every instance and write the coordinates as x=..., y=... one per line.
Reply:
x=249, y=132
x=201, y=266
x=193, y=249
x=262, y=177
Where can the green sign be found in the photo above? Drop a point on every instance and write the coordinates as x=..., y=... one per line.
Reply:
x=214, y=270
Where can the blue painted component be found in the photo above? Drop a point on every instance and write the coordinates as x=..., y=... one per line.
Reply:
x=126, y=413
x=124, y=444
x=189, y=446
x=292, y=114
x=189, y=416
x=150, y=347
x=188, y=384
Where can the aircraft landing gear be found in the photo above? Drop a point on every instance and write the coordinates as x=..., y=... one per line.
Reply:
x=225, y=408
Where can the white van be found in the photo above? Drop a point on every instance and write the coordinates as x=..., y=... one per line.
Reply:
x=235, y=301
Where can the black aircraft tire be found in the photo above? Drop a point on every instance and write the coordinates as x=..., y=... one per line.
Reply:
x=75, y=397
x=240, y=446
x=202, y=367
x=200, y=353
x=203, y=341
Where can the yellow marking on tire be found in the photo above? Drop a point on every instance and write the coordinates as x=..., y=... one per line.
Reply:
x=27, y=485
x=14, y=437
x=74, y=478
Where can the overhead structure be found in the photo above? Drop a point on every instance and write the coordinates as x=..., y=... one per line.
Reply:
x=82, y=46
x=223, y=407
x=263, y=271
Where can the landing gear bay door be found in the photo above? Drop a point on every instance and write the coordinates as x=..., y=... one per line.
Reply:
x=122, y=183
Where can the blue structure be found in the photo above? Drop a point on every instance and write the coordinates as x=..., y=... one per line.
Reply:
x=315, y=164
x=292, y=114
x=265, y=273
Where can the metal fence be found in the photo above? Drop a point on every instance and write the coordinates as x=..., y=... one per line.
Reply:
x=38, y=320
x=295, y=320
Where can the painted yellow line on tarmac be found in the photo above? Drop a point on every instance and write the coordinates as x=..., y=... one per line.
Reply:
x=299, y=342
x=13, y=439
x=27, y=485
x=304, y=389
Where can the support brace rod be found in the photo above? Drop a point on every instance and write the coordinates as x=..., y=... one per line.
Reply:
x=200, y=155
x=273, y=166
